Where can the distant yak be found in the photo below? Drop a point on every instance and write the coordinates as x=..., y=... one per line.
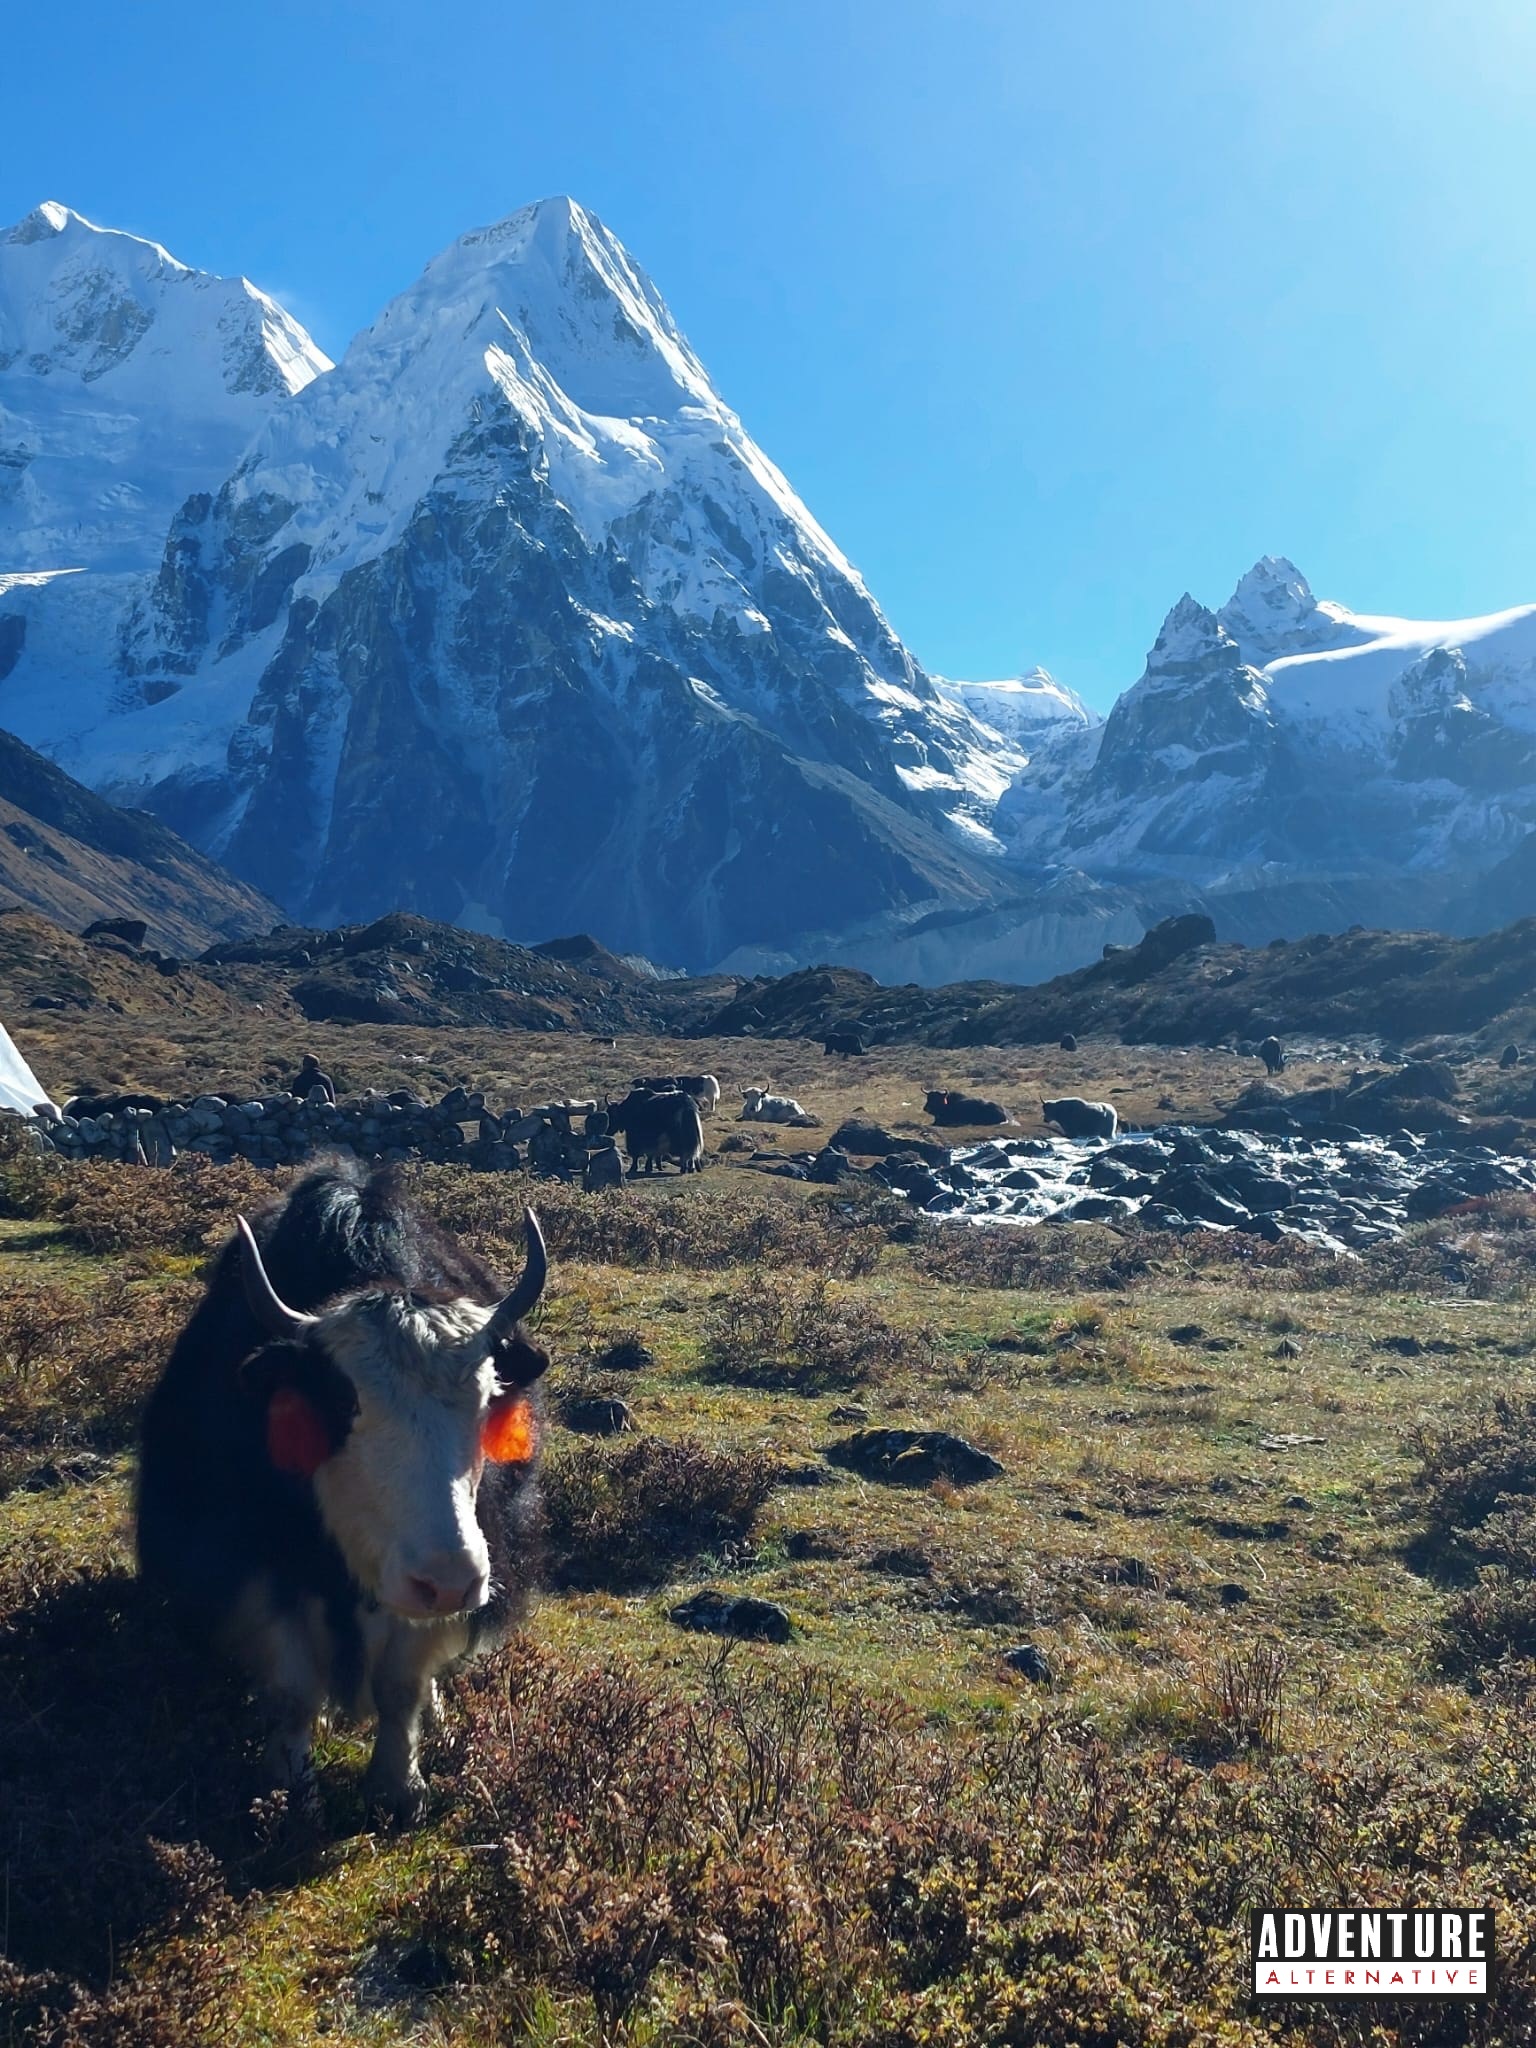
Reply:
x=949, y=1106
x=1075, y=1118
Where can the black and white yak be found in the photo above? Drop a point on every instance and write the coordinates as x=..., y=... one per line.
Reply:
x=338, y=1478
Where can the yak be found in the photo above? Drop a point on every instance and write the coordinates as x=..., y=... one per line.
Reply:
x=659, y=1127
x=339, y=1464
x=1079, y=1119
x=948, y=1106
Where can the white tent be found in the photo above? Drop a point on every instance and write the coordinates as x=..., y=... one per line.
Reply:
x=20, y=1088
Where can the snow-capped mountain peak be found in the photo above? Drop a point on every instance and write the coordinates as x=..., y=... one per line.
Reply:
x=546, y=314
x=1272, y=614
x=96, y=301
x=592, y=317
x=1271, y=605
x=128, y=380
x=1190, y=636
x=509, y=615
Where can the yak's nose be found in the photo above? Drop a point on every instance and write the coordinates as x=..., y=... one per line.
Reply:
x=447, y=1585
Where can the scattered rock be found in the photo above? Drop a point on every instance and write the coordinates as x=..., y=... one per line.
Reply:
x=1242, y=1532
x=596, y=1414
x=627, y=1355
x=734, y=1614
x=1268, y=1174
x=902, y=1562
x=1131, y=1571
x=869, y=1141
x=830, y=1166
x=1432, y=1198
x=1287, y=1440
x=913, y=1457
x=1031, y=1662
x=800, y=1472
x=76, y=1468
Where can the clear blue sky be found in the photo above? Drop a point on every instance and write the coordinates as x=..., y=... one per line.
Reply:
x=1048, y=311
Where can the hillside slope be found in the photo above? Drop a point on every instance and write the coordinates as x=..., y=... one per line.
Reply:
x=1393, y=986
x=74, y=857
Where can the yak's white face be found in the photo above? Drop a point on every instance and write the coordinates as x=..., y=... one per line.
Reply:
x=398, y=1496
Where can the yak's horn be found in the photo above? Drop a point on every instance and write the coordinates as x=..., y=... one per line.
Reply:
x=524, y=1296
x=266, y=1304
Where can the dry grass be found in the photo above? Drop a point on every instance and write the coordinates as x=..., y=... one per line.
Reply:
x=1228, y=1517
x=803, y=1335
x=630, y=1516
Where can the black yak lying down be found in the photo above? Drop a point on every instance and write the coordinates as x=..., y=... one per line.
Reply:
x=949, y=1106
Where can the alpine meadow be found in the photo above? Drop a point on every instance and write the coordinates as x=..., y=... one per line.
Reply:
x=712, y=1334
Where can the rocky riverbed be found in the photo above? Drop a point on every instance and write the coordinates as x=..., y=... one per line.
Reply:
x=1343, y=1190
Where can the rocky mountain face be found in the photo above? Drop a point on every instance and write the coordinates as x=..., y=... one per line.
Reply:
x=506, y=620
x=66, y=853
x=1283, y=749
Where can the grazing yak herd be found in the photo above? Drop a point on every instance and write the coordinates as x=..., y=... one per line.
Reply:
x=660, y=1122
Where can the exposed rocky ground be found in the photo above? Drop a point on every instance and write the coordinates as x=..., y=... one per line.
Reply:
x=1342, y=1192
x=1384, y=992
x=45, y=968
x=1178, y=987
x=404, y=969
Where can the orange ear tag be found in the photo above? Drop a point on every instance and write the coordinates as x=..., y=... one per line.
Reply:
x=510, y=1435
x=297, y=1438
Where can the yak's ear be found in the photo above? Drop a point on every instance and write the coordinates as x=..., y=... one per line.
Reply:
x=298, y=1440
x=510, y=1433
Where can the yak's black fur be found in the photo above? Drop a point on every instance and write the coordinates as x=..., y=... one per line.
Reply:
x=847, y=1042
x=949, y=1106
x=659, y=1127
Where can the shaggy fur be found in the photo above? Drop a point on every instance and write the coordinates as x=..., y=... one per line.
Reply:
x=300, y=1577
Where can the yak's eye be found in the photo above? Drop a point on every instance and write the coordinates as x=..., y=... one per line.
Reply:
x=297, y=1438
x=510, y=1435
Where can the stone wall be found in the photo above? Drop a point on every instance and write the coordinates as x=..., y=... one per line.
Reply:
x=274, y=1130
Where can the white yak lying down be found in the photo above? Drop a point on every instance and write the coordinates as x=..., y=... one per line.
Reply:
x=758, y=1106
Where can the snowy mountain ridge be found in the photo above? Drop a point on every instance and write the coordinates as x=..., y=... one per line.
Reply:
x=507, y=619
x=1282, y=742
x=1025, y=708
x=127, y=380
